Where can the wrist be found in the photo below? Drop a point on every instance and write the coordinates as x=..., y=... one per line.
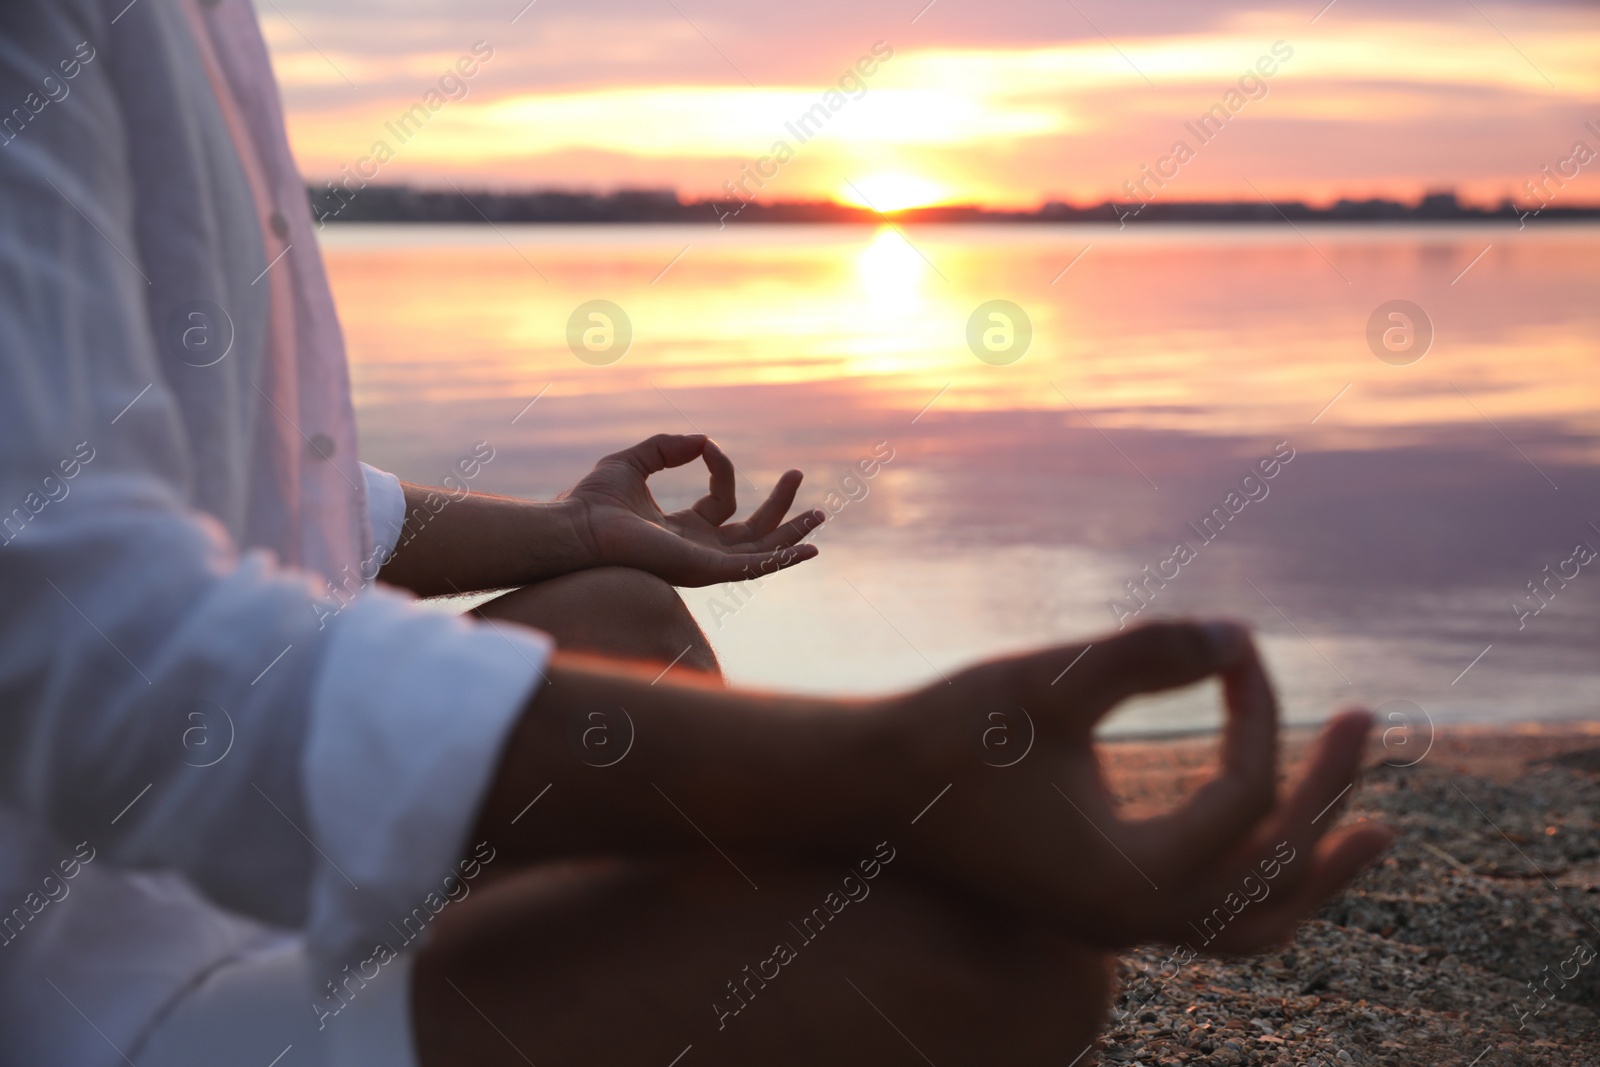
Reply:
x=560, y=537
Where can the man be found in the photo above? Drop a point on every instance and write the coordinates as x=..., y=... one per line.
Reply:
x=250, y=815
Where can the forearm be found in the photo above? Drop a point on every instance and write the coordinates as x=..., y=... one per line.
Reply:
x=478, y=542
x=745, y=770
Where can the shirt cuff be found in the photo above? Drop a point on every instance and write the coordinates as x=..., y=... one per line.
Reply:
x=410, y=713
x=386, y=510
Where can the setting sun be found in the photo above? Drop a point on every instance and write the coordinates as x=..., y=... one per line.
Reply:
x=887, y=192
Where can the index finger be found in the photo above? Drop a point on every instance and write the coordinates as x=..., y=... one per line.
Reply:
x=662, y=451
x=1146, y=659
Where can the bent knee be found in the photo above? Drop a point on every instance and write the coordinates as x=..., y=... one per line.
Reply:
x=634, y=614
x=625, y=591
x=610, y=611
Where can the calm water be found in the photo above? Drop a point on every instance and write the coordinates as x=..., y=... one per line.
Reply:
x=1164, y=364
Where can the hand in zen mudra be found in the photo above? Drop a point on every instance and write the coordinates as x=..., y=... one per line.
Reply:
x=624, y=526
x=1234, y=869
x=609, y=519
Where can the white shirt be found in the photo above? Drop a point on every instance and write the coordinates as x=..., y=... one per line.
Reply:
x=184, y=701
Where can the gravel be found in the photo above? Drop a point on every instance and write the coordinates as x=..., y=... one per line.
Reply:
x=1433, y=956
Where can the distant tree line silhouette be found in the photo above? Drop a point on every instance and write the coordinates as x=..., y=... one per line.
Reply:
x=404, y=203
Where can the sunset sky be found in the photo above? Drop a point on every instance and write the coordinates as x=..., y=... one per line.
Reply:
x=1009, y=103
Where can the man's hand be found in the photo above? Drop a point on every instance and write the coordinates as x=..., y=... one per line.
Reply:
x=1233, y=870
x=623, y=526
x=475, y=541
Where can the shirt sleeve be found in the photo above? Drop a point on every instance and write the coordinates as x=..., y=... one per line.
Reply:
x=177, y=702
x=386, y=509
x=393, y=781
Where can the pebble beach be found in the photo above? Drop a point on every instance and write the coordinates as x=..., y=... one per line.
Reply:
x=1473, y=943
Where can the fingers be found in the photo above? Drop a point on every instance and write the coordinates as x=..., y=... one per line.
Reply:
x=711, y=567
x=1294, y=858
x=1331, y=866
x=662, y=451
x=1313, y=807
x=761, y=532
x=1228, y=809
x=789, y=533
x=1146, y=659
x=719, y=504
x=721, y=501
x=765, y=518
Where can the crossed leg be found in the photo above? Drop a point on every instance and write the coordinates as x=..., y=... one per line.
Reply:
x=633, y=961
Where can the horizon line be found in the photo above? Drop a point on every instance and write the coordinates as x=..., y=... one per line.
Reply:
x=373, y=202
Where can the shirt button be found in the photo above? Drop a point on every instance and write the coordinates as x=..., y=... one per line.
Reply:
x=321, y=446
x=279, y=224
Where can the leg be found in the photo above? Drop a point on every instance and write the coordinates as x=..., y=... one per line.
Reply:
x=612, y=611
x=615, y=962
